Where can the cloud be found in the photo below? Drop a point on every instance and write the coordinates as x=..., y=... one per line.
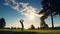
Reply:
x=13, y=4
x=25, y=9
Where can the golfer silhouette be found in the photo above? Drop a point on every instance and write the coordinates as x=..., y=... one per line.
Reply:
x=21, y=21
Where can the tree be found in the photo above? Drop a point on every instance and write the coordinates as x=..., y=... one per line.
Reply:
x=2, y=23
x=32, y=27
x=21, y=21
x=50, y=8
x=43, y=24
x=38, y=28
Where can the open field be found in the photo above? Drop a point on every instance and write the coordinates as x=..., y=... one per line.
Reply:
x=18, y=31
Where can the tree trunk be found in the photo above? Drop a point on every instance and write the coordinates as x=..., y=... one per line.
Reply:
x=52, y=20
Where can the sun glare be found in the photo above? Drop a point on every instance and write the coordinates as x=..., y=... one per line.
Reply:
x=31, y=17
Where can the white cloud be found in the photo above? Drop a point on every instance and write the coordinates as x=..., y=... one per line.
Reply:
x=27, y=10
x=25, y=7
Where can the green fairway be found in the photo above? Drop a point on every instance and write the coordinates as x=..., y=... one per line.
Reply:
x=17, y=31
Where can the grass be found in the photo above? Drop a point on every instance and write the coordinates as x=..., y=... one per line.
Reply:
x=18, y=31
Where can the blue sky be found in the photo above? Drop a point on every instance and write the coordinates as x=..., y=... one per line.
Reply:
x=14, y=10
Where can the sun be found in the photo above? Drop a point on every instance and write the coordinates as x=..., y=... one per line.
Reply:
x=31, y=17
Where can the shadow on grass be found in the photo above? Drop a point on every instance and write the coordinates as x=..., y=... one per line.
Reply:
x=6, y=32
x=9, y=32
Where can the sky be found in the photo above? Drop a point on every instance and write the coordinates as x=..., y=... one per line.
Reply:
x=15, y=10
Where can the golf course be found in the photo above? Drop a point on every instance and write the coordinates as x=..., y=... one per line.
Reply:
x=17, y=31
x=29, y=16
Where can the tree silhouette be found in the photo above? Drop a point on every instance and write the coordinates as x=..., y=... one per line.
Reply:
x=50, y=8
x=32, y=27
x=38, y=28
x=43, y=24
x=21, y=21
x=2, y=23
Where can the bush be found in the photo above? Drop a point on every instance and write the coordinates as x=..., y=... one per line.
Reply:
x=32, y=27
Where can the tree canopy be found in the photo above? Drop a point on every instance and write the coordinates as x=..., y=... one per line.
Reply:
x=50, y=6
x=2, y=23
